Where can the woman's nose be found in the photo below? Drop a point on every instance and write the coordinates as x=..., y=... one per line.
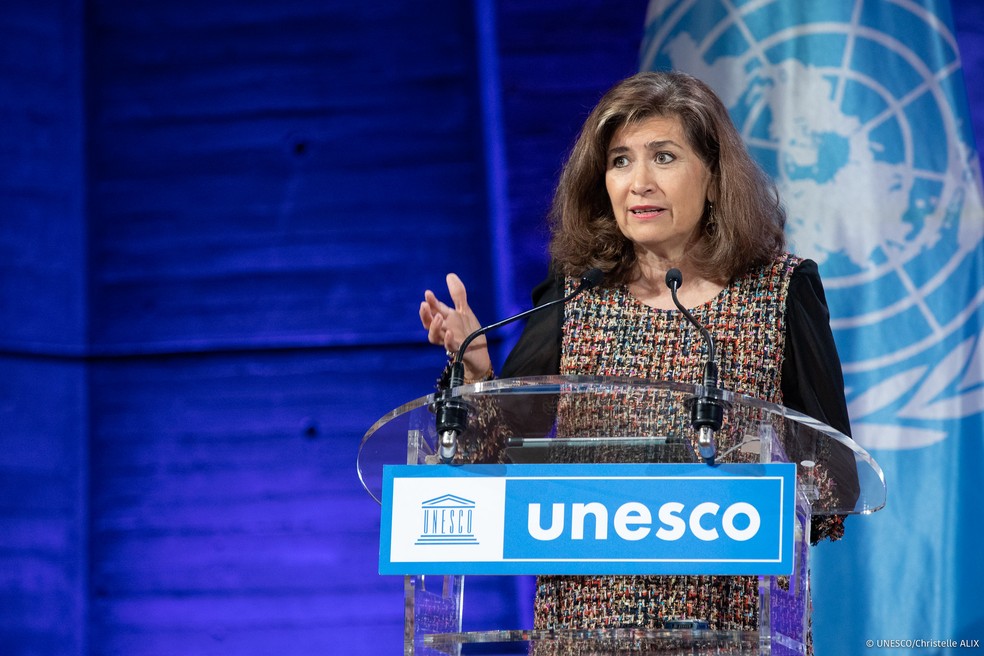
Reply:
x=643, y=181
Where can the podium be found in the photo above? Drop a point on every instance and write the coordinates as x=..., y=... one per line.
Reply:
x=591, y=420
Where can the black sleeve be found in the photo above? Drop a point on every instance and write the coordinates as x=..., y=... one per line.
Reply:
x=812, y=381
x=537, y=352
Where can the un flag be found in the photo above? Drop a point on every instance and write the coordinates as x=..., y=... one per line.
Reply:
x=857, y=108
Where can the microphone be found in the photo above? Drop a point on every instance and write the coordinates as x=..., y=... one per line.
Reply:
x=706, y=413
x=452, y=412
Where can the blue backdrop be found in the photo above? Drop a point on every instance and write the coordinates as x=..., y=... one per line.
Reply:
x=217, y=222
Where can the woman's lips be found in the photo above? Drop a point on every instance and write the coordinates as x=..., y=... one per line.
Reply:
x=647, y=212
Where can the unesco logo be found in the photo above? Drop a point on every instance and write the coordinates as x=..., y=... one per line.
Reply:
x=589, y=519
x=857, y=114
x=447, y=520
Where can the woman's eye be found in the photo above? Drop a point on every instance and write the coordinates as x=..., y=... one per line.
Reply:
x=664, y=158
x=620, y=161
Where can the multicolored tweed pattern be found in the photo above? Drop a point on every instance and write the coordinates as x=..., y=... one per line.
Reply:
x=608, y=332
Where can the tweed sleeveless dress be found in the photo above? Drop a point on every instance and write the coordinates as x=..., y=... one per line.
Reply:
x=607, y=332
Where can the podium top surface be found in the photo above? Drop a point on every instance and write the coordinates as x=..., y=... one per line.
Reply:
x=583, y=419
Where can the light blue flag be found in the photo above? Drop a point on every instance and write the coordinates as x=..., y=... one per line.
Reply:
x=857, y=108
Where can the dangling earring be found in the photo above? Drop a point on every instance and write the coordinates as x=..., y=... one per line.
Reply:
x=710, y=223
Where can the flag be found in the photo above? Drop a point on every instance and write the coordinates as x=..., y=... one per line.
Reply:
x=857, y=109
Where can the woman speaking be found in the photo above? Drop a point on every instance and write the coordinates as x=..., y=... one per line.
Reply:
x=659, y=179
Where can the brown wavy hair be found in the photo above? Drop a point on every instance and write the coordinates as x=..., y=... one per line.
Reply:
x=748, y=218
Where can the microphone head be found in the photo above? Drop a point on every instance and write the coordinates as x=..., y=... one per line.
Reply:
x=674, y=279
x=592, y=278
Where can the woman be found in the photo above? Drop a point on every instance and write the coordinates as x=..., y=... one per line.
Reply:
x=658, y=179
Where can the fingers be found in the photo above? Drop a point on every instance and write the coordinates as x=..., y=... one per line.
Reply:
x=426, y=316
x=438, y=332
x=431, y=307
x=435, y=305
x=432, y=316
x=458, y=294
x=447, y=325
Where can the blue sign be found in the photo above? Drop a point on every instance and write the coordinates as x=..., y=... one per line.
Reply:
x=588, y=519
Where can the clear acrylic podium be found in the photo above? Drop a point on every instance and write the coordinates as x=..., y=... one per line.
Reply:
x=565, y=419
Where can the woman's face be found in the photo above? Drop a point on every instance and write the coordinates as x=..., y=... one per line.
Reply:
x=657, y=185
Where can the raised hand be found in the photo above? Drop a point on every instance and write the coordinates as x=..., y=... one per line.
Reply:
x=449, y=326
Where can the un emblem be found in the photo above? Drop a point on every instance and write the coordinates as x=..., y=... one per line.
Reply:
x=858, y=111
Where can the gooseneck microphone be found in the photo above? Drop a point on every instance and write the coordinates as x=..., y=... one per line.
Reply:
x=706, y=413
x=452, y=412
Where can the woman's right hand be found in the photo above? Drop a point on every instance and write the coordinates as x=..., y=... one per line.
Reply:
x=449, y=326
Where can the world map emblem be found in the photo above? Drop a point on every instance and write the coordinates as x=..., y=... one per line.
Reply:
x=857, y=110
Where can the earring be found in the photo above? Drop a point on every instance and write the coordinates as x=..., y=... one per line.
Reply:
x=710, y=223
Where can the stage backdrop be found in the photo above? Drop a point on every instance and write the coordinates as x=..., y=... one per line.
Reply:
x=217, y=222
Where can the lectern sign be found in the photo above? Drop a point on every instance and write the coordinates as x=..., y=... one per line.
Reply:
x=588, y=519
